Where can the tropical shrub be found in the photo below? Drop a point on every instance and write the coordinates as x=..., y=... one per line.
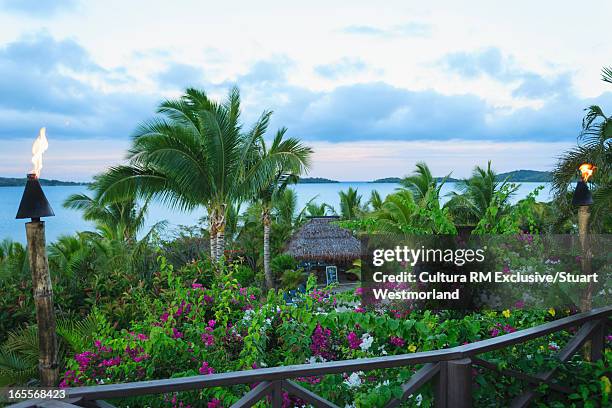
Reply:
x=282, y=263
x=292, y=278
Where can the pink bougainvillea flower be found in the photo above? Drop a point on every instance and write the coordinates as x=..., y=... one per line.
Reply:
x=509, y=329
x=208, y=339
x=176, y=333
x=214, y=403
x=205, y=369
x=397, y=341
x=321, y=343
x=196, y=286
x=353, y=340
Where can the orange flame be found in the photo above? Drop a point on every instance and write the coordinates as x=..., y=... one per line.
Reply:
x=38, y=148
x=586, y=171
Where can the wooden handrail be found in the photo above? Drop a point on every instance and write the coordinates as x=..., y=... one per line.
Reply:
x=273, y=377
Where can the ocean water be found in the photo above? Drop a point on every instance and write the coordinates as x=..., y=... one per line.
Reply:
x=69, y=221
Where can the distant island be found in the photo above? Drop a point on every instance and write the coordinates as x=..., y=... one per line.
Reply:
x=16, y=182
x=533, y=176
x=315, y=180
x=525, y=176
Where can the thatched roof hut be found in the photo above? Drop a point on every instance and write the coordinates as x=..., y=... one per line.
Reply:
x=322, y=240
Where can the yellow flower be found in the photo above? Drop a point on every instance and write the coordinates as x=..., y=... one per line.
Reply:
x=552, y=312
x=506, y=313
x=412, y=348
x=605, y=382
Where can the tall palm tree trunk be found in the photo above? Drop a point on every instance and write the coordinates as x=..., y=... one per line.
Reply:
x=212, y=232
x=220, y=231
x=266, y=247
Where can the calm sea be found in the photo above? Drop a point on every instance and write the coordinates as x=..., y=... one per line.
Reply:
x=69, y=221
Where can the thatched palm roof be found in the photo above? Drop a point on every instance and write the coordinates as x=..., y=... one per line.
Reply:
x=322, y=240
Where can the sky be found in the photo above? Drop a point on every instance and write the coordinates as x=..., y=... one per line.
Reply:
x=372, y=87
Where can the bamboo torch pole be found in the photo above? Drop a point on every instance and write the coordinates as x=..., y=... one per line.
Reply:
x=43, y=297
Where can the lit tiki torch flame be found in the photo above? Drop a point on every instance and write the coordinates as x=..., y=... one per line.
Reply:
x=582, y=194
x=34, y=205
x=38, y=148
x=586, y=171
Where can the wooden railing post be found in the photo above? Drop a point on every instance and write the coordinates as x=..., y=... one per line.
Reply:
x=454, y=386
x=597, y=341
x=277, y=394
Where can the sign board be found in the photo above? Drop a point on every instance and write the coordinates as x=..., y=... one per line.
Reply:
x=331, y=273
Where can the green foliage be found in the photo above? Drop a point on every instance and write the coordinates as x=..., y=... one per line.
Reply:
x=499, y=218
x=350, y=204
x=291, y=279
x=19, y=353
x=282, y=263
x=245, y=275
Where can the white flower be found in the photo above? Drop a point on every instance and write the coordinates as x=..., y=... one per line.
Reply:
x=366, y=341
x=353, y=381
x=349, y=406
x=315, y=359
x=248, y=314
x=382, y=350
x=418, y=399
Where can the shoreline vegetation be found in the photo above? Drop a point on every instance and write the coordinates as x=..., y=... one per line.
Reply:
x=18, y=182
x=525, y=176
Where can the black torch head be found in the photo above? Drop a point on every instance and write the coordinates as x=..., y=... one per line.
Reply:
x=582, y=194
x=34, y=204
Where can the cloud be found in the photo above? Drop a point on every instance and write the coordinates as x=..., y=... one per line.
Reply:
x=38, y=8
x=535, y=86
x=409, y=29
x=379, y=111
x=267, y=71
x=344, y=66
x=181, y=76
x=489, y=61
x=42, y=82
x=494, y=64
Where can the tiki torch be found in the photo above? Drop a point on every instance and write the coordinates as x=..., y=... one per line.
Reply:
x=583, y=199
x=34, y=205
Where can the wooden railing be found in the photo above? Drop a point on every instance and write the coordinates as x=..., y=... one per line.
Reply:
x=451, y=369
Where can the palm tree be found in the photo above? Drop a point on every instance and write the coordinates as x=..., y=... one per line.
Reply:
x=478, y=193
x=195, y=154
x=13, y=259
x=313, y=209
x=401, y=214
x=293, y=158
x=375, y=200
x=596, y=138
x=350, y=204
x=120, y=220
x=421, y=182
